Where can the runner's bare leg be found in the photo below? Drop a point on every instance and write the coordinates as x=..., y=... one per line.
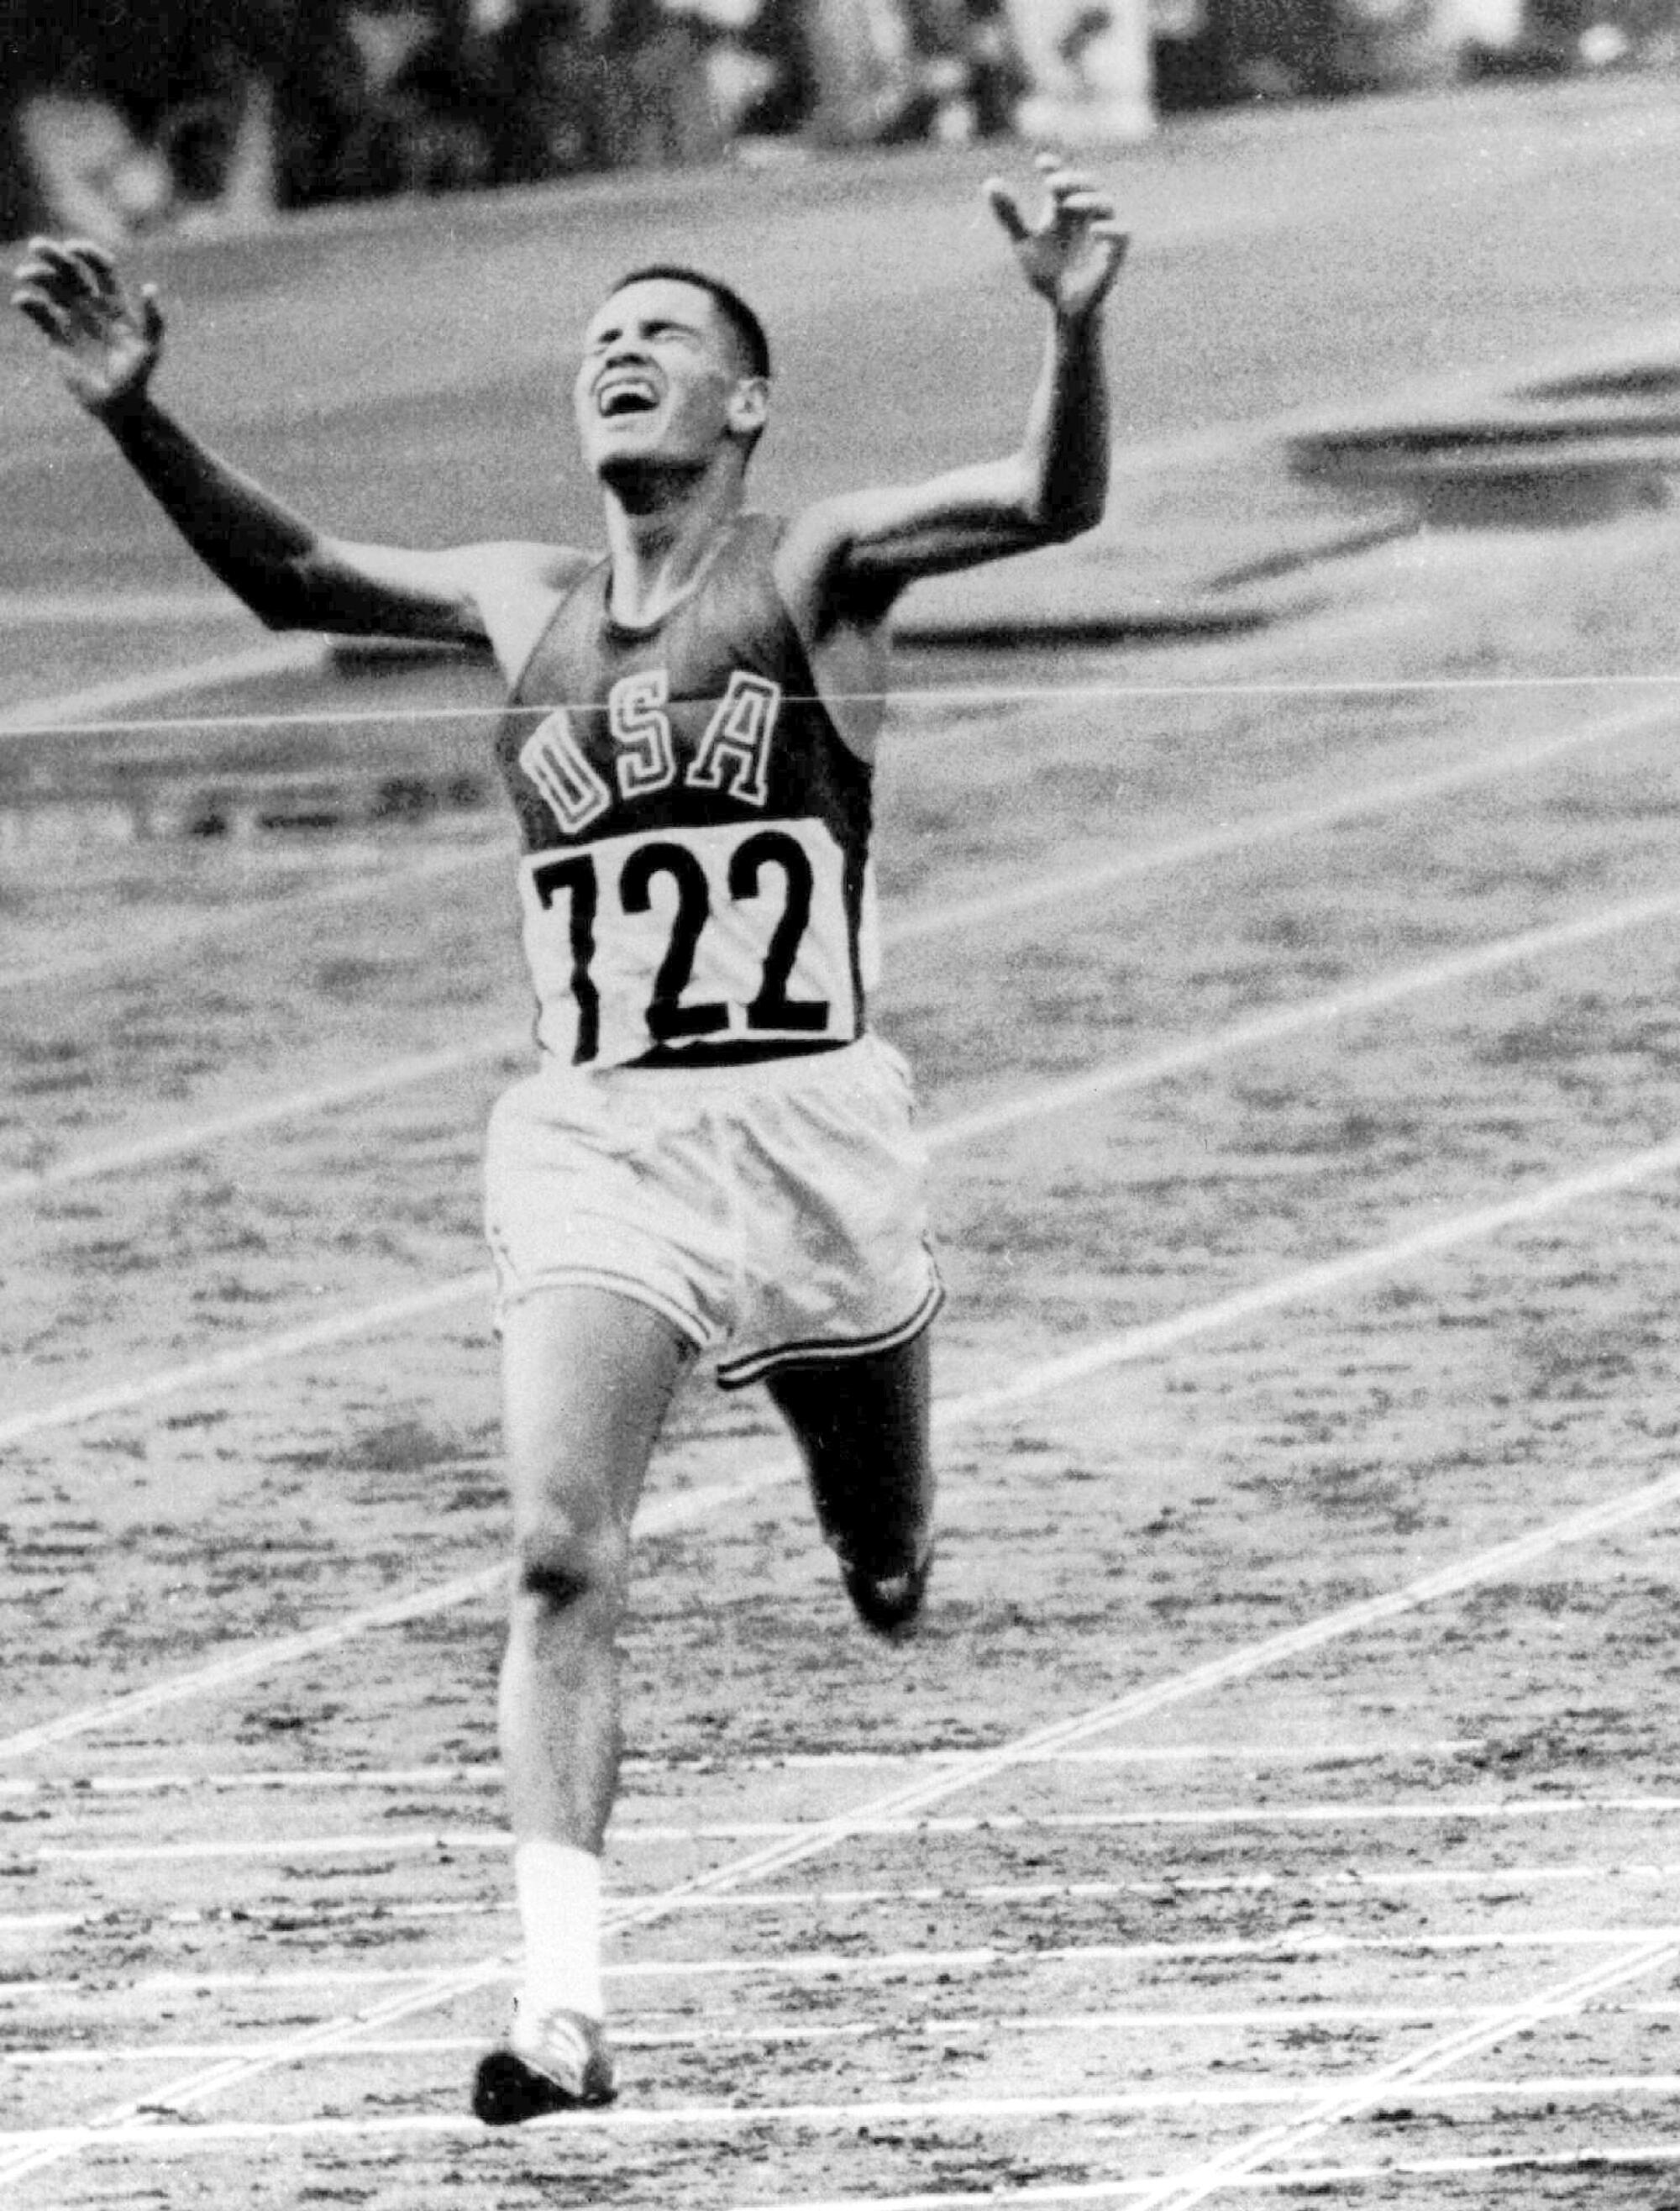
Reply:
x=862, y=1427
x=588, y=1377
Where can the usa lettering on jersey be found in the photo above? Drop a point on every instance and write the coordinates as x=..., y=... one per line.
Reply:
x=558, y=765
x=733, y=756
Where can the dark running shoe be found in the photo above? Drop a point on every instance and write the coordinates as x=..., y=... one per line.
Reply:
x=889, y=1604
x=556, y=2062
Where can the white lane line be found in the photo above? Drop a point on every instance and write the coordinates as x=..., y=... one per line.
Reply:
x=1356, y=798
x=282, y=911
x=1346, y=1885
x=1296, y=1020
x=955, y=916
x=1332, y=2181
x=1415, y=2074
x=258, y=1659
x=1240, y=1665
x=513, y=1042
x=1627, y=1173
x=1352, y=1269
x=761, y=2033
x=444, y=1988
x=288, y=656
x=404, y=1842
x=163, y=2136
x=248, y=1358
x=1170, y=1887
x=1300, y=1946
x=1279, y=2019
x=487, y=1773
x=681, y=1510
x=1166, y=1885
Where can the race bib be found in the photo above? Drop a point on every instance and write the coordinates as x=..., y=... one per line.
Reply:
x=697, y=940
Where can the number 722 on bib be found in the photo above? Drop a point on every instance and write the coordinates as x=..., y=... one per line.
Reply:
x=688, y=939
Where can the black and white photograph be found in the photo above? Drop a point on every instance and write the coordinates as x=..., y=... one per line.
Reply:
x=840, y=1105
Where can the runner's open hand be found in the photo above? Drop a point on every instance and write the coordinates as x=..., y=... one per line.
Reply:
x=107, y=344
x=1073, y=253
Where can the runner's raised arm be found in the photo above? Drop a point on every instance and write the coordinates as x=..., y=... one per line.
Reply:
x=291, y=575
x=848, y=557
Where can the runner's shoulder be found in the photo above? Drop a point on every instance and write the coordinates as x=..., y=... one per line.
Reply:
x=524, y=564
x=518, y=586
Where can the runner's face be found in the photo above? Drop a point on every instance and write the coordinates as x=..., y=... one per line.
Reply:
x=658, y=375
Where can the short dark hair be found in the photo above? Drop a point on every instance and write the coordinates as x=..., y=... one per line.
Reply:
x=748, y=329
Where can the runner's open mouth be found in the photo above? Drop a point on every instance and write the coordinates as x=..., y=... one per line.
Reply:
x=632, y=399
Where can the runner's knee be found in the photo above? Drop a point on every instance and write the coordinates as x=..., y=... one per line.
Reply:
x=568, y=1560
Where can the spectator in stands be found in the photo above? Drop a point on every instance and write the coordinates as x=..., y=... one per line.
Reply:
x=135, y=112
x=212, y=107
x=995, y=76
x=604, y=84
x=891, y=71
x=968, y=76
x=776, y=36
x=127, y=113
x=545, y=114
x=660, y=109
x=383, y=96
x=22, y=209
x=78, y=120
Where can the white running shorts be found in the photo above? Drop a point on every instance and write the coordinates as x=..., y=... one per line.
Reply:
x=774, y=1214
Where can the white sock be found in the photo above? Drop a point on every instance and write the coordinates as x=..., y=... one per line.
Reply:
x=559, y=1890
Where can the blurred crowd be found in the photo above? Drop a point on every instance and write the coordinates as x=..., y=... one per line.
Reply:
x=122, y=115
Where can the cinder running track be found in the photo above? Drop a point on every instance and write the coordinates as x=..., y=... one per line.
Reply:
x=1282, y=1799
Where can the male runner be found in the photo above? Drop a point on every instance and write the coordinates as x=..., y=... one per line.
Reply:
x=715, y=1155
